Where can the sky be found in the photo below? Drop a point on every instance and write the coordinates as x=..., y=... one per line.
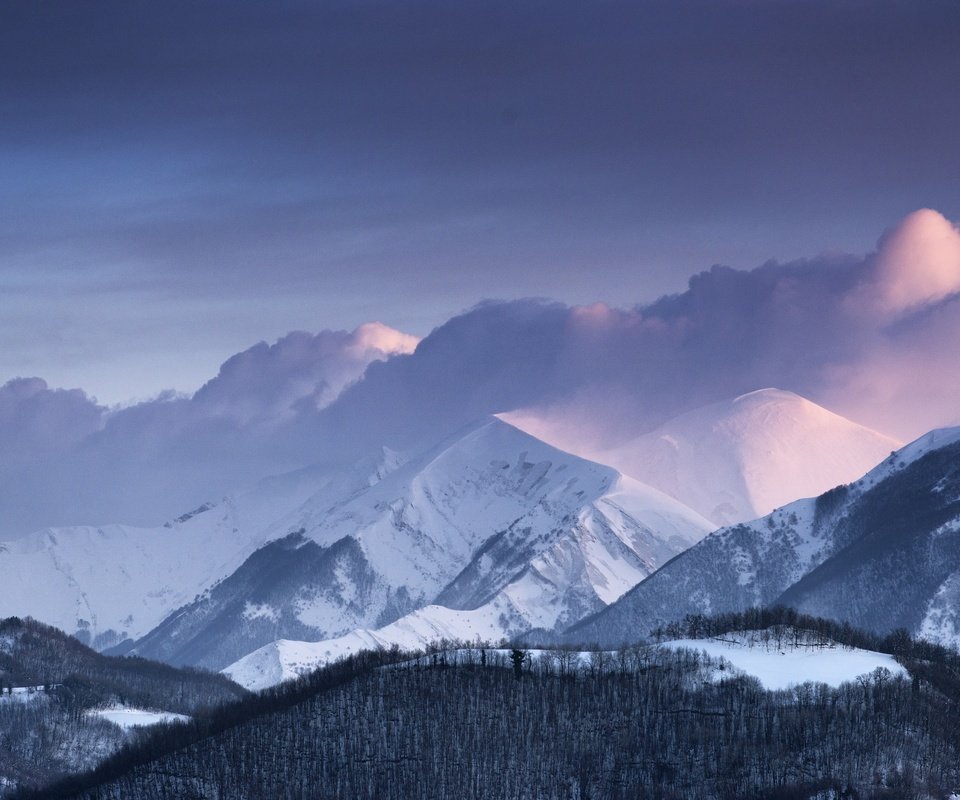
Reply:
x=181, y=180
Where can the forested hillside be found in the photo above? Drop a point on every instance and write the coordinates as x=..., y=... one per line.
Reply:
x=646, y=721
x=52, y=688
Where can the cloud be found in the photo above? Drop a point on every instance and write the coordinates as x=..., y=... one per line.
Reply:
x=191, y=172
x=907, y=380
x=66, y=459
x=274, y=382
x=917, y=262
x=872, y=337
x=36, y=420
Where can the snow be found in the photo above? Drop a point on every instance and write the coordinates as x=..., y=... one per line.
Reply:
x=786, y=666
x=582, y=533
x=260, y=611
x=285, y=659
x=128, y=717
x=480, y=482
x=574, y=535
x=941, y=623
x=934, y=440
x=126, y=580
x=739, y=459
x=595, y=534
x=775, y=667
x=22, y=694
x=914, y=451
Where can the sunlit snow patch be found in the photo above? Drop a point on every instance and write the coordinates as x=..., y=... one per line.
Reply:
x=786, y=665
x=127, y=717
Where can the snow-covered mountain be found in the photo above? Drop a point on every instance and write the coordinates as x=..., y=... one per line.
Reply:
x=882, y=553
x=109, y=583
x=739, y=459
x=490, y=533
x=505, y=532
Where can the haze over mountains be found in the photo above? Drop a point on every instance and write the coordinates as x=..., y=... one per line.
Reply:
x=880, y=553
x=492, y=518
x=855, y=334
x=494, y=521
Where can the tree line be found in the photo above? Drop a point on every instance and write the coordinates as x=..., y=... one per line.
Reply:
x=49, y=734
x=641, y=721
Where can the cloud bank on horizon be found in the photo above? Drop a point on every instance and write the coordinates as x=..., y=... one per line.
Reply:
x=874, y=338
x=180, y=178
x=67, y=459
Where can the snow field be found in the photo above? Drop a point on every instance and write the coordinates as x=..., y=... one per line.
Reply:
x=127, y=717
x=786, y=666
x=776, y=667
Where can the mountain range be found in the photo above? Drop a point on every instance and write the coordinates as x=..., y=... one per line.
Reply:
x=494, y=533
x=881, y=553
x=492, y=518
x=489, y=517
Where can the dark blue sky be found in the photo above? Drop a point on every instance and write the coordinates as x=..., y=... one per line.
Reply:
x=179, y=180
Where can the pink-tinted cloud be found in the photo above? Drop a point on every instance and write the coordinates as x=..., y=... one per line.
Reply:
x=874, y=338
x=917, y=263
x=908, y=380
x=66, y=459
x=269, y=383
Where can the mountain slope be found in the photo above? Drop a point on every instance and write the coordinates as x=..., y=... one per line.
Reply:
x=63, y=706
x=534, y=587
x=881, y=553
x=113, y=582
x=739, y=459
x=904, y=549
x=492, y=519
x=384, y=725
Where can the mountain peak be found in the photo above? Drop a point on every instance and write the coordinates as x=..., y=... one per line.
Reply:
x=739, y=459
x=770, y=394
x=880, y=552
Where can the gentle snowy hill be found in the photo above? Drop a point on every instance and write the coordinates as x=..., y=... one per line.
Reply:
x=881, y=553
x=127, y=717
x=778, y=661
x=505, y=531
x=739, y=459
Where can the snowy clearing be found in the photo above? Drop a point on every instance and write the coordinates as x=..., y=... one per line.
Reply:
x=786, y=666
x=127, y=717
x=791, y=659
